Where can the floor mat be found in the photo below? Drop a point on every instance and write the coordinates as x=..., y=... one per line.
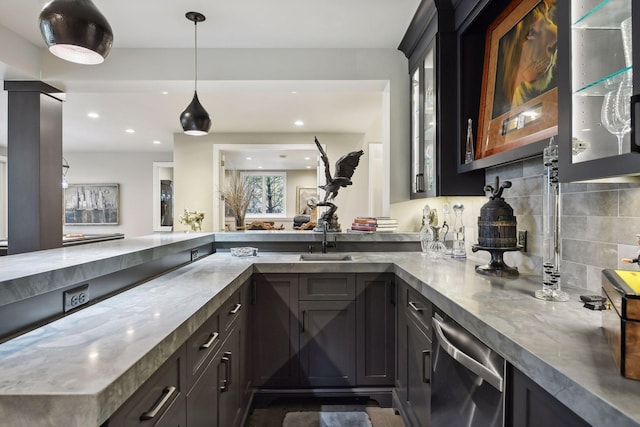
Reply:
x=326, y=419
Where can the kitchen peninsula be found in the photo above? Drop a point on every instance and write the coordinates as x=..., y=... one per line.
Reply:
x=78, y=370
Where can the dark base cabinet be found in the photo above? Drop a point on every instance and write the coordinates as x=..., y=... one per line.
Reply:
x=323, y=330
x=413, y=372
x=160, y=401
x=274, y=328
x=205, y=383
x=529, y=405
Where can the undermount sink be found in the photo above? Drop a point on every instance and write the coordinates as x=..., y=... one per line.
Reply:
x=325, y=257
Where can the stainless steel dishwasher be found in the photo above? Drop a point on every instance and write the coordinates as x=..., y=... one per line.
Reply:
x=467, y=384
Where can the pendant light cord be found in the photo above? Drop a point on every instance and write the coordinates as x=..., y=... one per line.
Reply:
x=195, y=23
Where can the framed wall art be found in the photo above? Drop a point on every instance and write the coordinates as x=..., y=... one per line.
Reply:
x=91, y=204
x=306, y=200
x=519, y=98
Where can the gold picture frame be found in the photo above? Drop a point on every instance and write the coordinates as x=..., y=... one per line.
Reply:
x=519, y=101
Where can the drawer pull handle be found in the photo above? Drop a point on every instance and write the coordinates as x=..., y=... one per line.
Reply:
x=415, y=307
x=212, y=338
x=236, y=309
x=167, y=393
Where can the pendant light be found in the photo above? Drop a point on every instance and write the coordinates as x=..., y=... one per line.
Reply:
x=195, y=120
x=76, y=31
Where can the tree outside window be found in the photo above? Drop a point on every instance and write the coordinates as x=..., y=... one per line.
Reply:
x=268, y=195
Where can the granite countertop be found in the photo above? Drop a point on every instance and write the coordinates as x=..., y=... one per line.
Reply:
x=33, y=273
x=99, y=363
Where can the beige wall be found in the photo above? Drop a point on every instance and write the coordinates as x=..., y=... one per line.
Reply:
x=196, y=175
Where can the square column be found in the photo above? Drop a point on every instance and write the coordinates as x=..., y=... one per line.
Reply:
x=34, y=161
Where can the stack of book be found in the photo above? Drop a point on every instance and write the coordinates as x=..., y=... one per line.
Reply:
x=378, y=224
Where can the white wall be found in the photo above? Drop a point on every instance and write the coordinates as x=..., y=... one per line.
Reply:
x=134, y=174
x=384, y=65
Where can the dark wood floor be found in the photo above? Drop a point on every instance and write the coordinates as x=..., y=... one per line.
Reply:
x=274, y=414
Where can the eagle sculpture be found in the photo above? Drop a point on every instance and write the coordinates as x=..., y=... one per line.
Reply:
x=345, y=166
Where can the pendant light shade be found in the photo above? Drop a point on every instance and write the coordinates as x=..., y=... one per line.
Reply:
x=195, y=119
x=76, y=31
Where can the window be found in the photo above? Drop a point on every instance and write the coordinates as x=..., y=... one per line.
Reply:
x=268, y=194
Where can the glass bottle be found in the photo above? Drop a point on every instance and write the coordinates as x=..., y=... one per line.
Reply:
x=459, y=250
x=438, y=249
x=426, y=234
x=468, y=154
x=551, y=289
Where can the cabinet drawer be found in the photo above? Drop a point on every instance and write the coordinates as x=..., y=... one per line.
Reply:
x=202, y=346
x=420, y=309
x=160, y=397
x=231, y=310
x=328, y=287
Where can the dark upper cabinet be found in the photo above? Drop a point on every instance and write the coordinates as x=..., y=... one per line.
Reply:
x=430, y=46
x=597, y=82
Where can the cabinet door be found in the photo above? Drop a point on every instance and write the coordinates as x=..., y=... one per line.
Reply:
x=160, y=401
x=529, y=405
x=435, y=158
x=402, y=353
x=229, y=387
x=419, y=378
x=275, y=330
x=246, y=348
x=595, y=135
x=327, y=343
x=202, y=400
x=375, y=330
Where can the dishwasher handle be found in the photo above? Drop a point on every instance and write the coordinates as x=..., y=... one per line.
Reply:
x=487, y=374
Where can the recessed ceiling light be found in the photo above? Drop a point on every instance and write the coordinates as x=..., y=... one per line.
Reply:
x=259, y=167
x=298, y=123
x=248, y=158
x=164, y=92
x=294, y=92
x=157, y=142
x=130, y=131
x=308, y=167
x=307, y=158
x=93, y=115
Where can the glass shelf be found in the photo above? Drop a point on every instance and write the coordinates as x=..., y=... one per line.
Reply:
x=600, y=86
x=605, y=15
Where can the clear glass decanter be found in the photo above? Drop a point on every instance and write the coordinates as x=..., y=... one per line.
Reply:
x=426, y=235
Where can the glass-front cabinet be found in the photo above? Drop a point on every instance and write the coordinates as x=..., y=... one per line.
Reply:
x=429, y=44
x=423, y=128
x=597, y=139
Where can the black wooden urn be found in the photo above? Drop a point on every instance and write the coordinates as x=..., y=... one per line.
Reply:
x=497, y=232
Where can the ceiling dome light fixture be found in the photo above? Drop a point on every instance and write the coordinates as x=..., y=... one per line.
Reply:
x=195, y=120
x=76, y=31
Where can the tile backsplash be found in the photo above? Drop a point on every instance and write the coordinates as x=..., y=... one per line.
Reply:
x=599, y=222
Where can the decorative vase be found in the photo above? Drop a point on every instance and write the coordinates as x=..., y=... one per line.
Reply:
x=239, y=222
